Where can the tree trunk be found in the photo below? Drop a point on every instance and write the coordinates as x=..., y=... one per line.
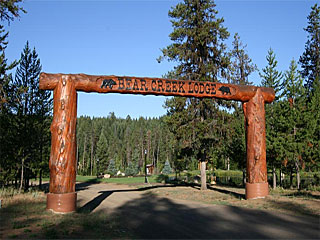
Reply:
x=298, y=175
x=280, y=177
x=203, y=176
x=84, y=153
x=22, y=172
x=40, y=179
x=244, y=176
x=274, y=178
x=91, y=162
x=291, y=178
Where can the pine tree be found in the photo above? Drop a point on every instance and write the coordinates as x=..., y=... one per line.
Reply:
x=200, y=53
x=312, y=129
x=33, y=108
x=132, y=169
x=102, y=153
x=167, y=168
x=294, y=104
x=112, y=170
x=9, y=10
x=310, y=59
x=271, y=77
x=242, y=65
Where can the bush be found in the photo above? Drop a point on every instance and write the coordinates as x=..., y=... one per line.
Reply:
x=132, y=169
x=112, y=170
x=167, y=169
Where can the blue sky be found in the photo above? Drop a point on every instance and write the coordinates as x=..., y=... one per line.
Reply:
x=125, y=37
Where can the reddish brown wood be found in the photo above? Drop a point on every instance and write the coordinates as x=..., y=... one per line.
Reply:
x=256, y=146
x=157, y=86
x=63, y=137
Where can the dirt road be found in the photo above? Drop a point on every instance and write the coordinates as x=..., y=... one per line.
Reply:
x=147, y=216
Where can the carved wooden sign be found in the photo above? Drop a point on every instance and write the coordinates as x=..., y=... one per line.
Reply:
x=157, y=86
x=62, y=196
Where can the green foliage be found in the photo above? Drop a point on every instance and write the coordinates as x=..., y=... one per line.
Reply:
x=26, y=118
x=270, y=76
x=102, y=153
x=132, y=169
x=112, y=170
x=310, y=59
x=9, y=10
x=241, y=66
x=225, y=173
x=167, y=168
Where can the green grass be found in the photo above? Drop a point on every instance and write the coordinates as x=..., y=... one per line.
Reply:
x=120, y=180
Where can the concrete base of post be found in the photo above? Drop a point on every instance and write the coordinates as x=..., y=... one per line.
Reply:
x=62, y=203
x=257, y=190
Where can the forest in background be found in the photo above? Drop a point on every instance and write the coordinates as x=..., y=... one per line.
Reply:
x=193, y=130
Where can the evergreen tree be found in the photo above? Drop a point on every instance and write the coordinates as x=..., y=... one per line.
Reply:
x=102, y=153
x=167, y=168
x=310, y=59
x=312, y=129
x=9, y=10
x=33, y=107
x=271, y=77
x=132, y=169
x=200, y=52
x=112, y=170
x=242, y=65
x=294, y=104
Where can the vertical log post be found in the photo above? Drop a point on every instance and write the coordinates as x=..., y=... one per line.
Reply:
x=62, y=196
x=257, y=183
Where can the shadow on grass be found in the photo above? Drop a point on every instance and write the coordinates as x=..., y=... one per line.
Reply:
x=294, y=208
x=153, y=217
x=303, y=194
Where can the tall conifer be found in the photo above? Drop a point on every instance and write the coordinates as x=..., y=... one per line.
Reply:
x=310, y=59
x=198, y=48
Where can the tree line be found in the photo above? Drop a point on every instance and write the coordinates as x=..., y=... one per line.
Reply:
x=205, y=132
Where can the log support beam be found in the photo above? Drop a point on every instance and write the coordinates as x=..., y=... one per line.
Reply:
x=256, y=180
x=62, y=196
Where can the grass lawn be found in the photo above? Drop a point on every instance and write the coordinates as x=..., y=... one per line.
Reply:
x=23, y=216
x=119, y=180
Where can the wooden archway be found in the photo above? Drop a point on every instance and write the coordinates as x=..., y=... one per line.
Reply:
x=62, y=196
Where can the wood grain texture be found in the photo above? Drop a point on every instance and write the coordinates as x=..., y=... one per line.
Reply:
x=63, y=137
x=157, y=86
x=256, y=139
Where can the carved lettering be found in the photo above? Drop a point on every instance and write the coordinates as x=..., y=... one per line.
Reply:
x=196, y=87
x=201, y=88
x=154, y=85
x=143, y=84
x=135, y=85
x=190, y=88
x=213, y=88
x=181, y=88
x=128, y=83
x=174, y=86
x=207, y=88
x=160, y=86
x=168, y=86
x=121, y=83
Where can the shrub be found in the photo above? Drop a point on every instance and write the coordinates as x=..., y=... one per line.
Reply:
x=132, y=169
x=167, y=169
x=112, y=170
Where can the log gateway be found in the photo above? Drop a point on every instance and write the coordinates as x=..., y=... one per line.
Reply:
x=62, y=196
